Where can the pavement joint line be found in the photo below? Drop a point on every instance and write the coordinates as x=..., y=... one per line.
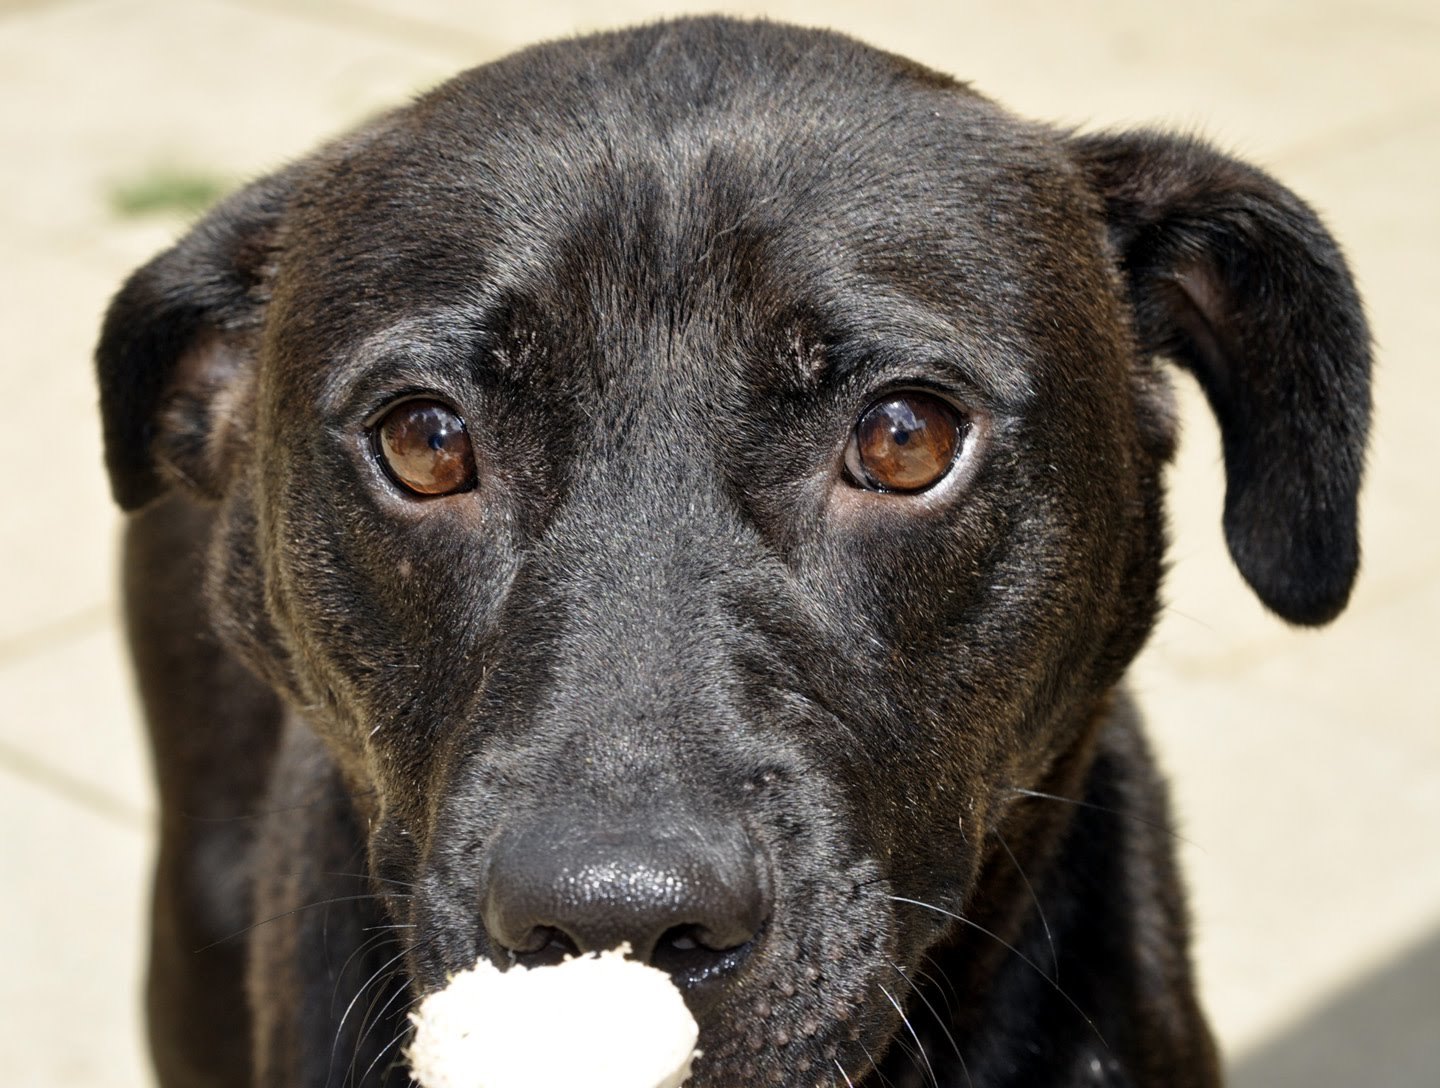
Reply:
x=38, y=772
x=60, y=632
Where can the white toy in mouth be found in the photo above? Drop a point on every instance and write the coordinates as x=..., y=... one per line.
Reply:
x=597, y=1021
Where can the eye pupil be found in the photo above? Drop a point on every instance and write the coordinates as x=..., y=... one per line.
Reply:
x=906, y=442
x=425, y=448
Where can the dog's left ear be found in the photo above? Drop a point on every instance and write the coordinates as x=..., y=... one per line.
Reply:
x=1233, y=277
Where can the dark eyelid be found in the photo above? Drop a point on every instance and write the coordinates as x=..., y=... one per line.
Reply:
x=434, y=353
x=869, y=342
x=376, y=414
x=893, y=374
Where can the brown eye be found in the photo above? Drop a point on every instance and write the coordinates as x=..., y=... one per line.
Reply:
x=424, y=447
x=906, y=442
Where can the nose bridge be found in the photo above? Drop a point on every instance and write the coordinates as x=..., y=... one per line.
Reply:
x=645, y=569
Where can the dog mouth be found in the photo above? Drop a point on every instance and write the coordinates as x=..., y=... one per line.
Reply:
x=791, y=1005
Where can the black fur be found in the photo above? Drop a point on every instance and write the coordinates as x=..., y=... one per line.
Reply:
x=660, y=273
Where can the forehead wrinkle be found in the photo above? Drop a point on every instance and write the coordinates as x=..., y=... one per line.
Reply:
x=984, y=356
x=679, y=246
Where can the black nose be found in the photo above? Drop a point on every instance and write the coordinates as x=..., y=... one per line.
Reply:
x=686, y=897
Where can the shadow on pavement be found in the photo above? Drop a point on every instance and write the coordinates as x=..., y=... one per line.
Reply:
x=1381, y=1032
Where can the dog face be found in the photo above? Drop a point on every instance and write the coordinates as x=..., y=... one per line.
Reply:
x=692, y=479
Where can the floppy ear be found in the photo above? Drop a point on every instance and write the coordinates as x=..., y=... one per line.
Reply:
x=1233, y=277
x=176, y=352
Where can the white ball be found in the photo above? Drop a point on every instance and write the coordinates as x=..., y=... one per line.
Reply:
x=602, y=1021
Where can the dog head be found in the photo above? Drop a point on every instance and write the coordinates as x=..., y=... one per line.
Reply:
x=691, y=478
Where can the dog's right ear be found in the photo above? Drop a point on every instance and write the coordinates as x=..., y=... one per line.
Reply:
x=1233, y=277
x=177, y=350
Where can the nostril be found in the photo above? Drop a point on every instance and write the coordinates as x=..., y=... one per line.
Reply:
x=692, y=954
x=543, y=946
x=697, y=938
x=682, y=938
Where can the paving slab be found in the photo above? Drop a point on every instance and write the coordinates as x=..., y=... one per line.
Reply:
x=72, y=724
x=1307, y=806
x=113, y=88
x=76, y=913
x=59, y=523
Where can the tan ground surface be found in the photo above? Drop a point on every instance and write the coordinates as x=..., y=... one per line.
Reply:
x=1307, y=764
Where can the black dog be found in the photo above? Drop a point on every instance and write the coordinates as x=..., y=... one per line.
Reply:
x=700, y=486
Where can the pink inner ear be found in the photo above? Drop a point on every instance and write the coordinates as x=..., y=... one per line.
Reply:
x=212, y=362
x=1200, y=310
x=198, y=441
x=1198, y=282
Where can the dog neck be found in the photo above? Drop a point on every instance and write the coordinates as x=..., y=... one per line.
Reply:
x=1071, y=951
